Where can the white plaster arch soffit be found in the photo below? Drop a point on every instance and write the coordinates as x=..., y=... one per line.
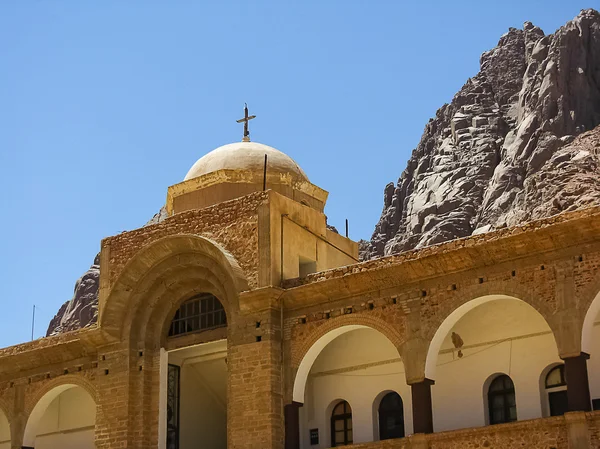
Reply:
x=588, y=324
x=311, y=355
x=40, y=408
x=451, y=320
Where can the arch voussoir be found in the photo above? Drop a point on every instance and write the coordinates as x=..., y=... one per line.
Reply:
x=393, y=334
x=160, y=271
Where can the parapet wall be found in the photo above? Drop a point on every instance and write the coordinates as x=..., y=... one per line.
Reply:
x=233, y=224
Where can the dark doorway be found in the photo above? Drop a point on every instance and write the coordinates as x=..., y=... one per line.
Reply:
x=556, y=386
x=558, y=403
x=391, y=417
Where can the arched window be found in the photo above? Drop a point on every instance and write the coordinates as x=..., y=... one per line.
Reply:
x=501, y=400
x=341, y=425
x=556, y=388
x=199, y=313
x=391, y=417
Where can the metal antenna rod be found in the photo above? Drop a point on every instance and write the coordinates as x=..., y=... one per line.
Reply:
x=33, y=322
x=346, y=228
x=265, y=175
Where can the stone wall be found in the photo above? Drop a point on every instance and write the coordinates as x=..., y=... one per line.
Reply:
x=533, y=434
x=125, y=373
x=233, y=224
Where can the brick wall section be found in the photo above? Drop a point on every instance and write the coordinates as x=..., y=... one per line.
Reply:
x=254, y=405
x=587, y=276
x=112, y=419
x=233, y=224
x=317, y=323
x=530, y=283
x=433, y=302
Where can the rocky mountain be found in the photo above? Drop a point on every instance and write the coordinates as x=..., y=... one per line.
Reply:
x=82, y=309
x=518, y=142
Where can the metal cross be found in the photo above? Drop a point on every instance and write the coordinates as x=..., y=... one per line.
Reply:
x=245, y=120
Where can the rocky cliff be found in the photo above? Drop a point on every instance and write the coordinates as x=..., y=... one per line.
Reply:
x=518, y=142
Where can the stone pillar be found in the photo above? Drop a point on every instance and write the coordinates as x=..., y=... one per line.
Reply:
x=292, y=425
x=578, y=387
x=255, y=400
x=422, y=406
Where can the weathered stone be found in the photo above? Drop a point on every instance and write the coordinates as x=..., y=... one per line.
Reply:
x=512, y=155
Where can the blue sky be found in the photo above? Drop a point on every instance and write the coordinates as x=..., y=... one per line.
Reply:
x=105, y=104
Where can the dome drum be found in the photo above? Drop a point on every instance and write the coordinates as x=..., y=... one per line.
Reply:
x=236, y=170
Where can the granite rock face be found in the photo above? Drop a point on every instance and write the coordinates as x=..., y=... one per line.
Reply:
x=518, y=142
x=82, y=309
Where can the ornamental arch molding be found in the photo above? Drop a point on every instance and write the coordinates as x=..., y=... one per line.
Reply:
x=37, y=404
x=308, y=351
x=162, y=275
x=468, y=299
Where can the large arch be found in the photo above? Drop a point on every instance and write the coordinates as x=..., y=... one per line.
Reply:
x=481, y=337
x=75, y=390
x=163, y=274
x=591, y=314
x=353, y=358
x=450, y=320
x=304, y=358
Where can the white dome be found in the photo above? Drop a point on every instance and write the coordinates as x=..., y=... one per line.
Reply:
x=248, y=156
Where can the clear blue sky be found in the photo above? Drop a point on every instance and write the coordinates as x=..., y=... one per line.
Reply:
x=105, y=104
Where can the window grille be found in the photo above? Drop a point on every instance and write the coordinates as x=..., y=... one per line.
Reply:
x=199, y=313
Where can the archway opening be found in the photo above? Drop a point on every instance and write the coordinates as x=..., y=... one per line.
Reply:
x=194, y=378
x=484, y=337
x=64, y=417
x=590, y=344
x=4, y=431
x=354, y=365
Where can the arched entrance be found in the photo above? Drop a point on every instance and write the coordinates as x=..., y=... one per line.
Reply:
x=64, y=417
x=4, y=431
x=590, y=344
x=351, y=364
x=483, y=337
x=194, y=376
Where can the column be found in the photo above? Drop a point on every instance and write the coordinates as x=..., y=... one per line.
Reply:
x=292, y=425
x=578, y=387
x=422, y=406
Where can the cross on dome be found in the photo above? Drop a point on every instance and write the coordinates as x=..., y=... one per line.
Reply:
x=245, y=120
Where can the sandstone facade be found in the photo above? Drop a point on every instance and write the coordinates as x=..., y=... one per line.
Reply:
x=552, y=264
